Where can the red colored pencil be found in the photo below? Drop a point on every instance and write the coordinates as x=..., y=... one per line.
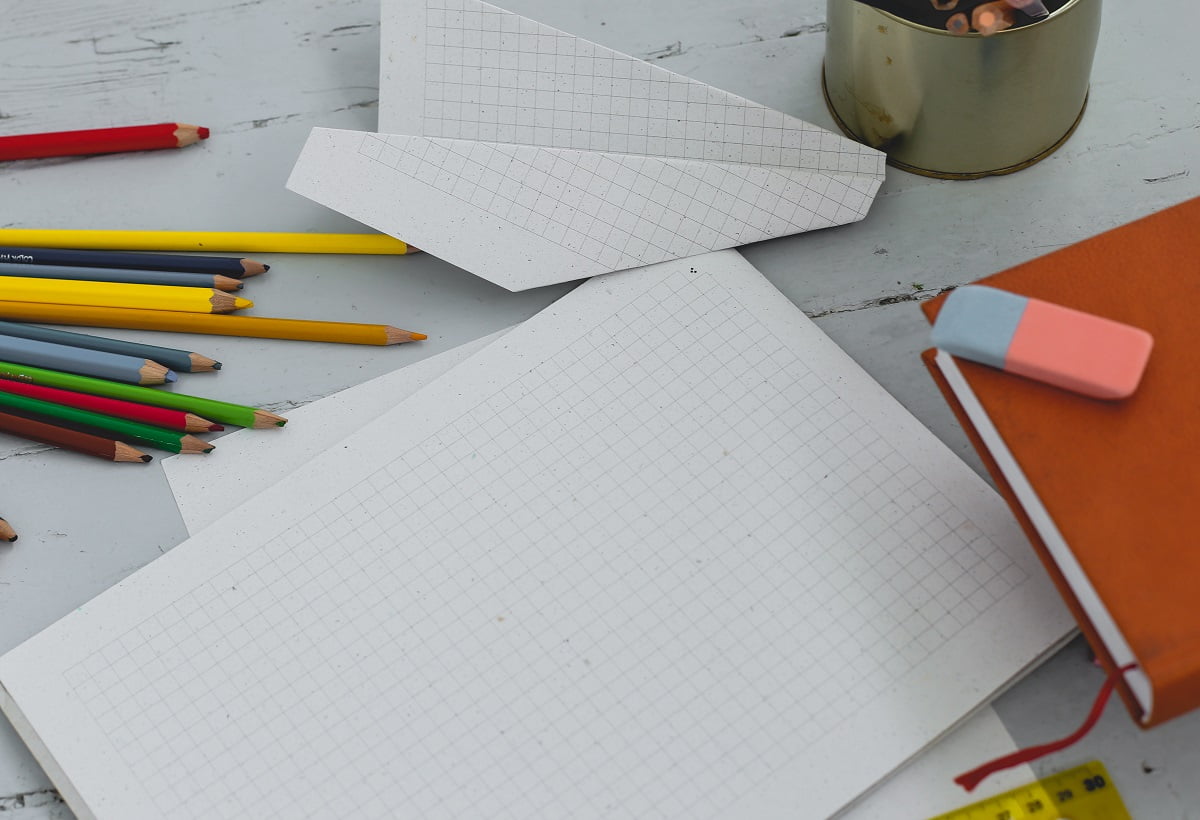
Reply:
x=158, y=416
x=101, y=141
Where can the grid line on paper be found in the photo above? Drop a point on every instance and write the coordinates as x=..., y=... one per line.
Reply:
x=597, y=614
x=624, y=210
x=495, y=76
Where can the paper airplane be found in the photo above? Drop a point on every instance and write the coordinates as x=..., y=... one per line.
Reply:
x=529, y=156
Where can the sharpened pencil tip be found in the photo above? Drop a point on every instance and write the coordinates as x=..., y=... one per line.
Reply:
x=266, y=267
x=146, y=457
x=170, y=377
x=240, y=304
x=216, y=365
x=419, y=337
x=203, y=132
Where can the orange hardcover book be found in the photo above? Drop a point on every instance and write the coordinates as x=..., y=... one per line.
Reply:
x=1109, y=491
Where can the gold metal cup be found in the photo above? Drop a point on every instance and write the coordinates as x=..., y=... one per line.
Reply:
x=958, y=106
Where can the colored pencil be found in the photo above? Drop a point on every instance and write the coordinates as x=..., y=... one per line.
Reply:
x=237, y=268
x=128, y=276
x=7, y=533
x=208, y=241
x=119, y=294
x=145, y=413
x=101, y=140
x=262, y=327
x=99, y=364
x=181, y=361
x=169, y=440
x=220, y=411
x=68, y=439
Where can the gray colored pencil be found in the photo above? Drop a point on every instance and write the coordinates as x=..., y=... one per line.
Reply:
x=133, y=277
x=181, y=361
x=96, y=363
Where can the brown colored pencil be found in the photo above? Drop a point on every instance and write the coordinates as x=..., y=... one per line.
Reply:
x=7, y=533
x=107, y=449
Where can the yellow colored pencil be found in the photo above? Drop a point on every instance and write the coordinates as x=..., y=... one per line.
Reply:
x=212, y=323
x=119, y=295
x=209, y=241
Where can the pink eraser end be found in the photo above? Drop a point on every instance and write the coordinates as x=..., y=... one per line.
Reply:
x=1078, y=351
x=1068, y=348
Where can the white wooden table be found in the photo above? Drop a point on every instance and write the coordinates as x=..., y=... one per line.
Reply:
x=261, y=73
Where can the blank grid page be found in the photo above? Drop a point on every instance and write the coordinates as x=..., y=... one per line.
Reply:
x=648, y=571
x=495, y=76
x=692, y=168
x=623, y=210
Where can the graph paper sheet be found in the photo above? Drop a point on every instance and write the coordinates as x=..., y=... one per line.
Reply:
x=529, y=156
x=205, y=489
x=661, y=550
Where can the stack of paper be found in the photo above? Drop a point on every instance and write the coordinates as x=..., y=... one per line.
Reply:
x=663, y=548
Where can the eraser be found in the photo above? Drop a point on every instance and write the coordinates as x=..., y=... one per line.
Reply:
x=1067, y=348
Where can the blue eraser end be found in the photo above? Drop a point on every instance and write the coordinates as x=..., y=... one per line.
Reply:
x=978, y=323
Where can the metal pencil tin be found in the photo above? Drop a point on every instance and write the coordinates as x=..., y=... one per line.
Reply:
x=958, y=106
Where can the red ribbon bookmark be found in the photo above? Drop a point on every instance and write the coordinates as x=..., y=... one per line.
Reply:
x=969, y=780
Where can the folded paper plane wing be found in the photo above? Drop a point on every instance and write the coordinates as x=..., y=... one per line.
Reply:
x=529, y=156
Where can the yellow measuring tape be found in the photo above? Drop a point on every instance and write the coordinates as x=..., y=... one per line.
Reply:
x=1083, y=793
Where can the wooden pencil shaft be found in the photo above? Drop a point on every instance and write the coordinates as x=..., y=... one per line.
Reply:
x=100, y=140
x=117, y=294
x=221, y=325
x=203, y=364
x=209, y=241
x=7, y=533
x=69, y=439
x=178, y=360
x=129, y=276
x=97, y=363
x=219, y=411
x=228, y=266
x=135, y=430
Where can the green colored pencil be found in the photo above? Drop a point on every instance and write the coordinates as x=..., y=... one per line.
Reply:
x=212, y=409
x=170, y=440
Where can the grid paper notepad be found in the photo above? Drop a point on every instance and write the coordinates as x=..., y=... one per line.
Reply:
x=206, y=489
x=529, y=156
x=662, y=550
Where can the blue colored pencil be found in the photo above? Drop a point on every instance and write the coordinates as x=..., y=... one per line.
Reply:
x=181, y=361
x=129, y=276
x=227, y=266
x=96, y=363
